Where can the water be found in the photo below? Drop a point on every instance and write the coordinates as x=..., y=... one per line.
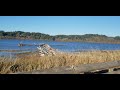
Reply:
x=6, y=44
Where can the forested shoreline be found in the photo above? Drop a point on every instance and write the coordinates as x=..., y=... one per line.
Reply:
x=42, y=36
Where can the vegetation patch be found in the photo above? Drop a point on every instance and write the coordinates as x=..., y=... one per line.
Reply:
x=41, y=36
x=33, y=61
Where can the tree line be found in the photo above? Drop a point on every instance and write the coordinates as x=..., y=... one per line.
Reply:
x=24, y=35
x=42, y=36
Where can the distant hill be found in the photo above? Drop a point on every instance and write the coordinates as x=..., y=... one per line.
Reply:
x=41, y=36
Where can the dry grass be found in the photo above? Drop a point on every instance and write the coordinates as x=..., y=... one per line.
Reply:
x=31, y=62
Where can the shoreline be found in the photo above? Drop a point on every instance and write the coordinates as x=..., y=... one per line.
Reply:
x=27, y=53
x=11, y=50
x=20, y=52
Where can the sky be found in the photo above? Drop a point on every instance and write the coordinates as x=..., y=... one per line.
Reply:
x=68, y=25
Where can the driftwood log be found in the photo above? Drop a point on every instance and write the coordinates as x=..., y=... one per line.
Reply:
x=46, y=49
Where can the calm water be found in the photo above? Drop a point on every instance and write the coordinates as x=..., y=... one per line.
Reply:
x=62, y=46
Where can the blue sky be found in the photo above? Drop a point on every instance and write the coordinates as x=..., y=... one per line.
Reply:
x=68, y=25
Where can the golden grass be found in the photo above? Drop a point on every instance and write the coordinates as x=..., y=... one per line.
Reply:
x=31, y=62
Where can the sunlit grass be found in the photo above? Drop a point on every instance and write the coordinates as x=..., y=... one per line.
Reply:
x=33, y=61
